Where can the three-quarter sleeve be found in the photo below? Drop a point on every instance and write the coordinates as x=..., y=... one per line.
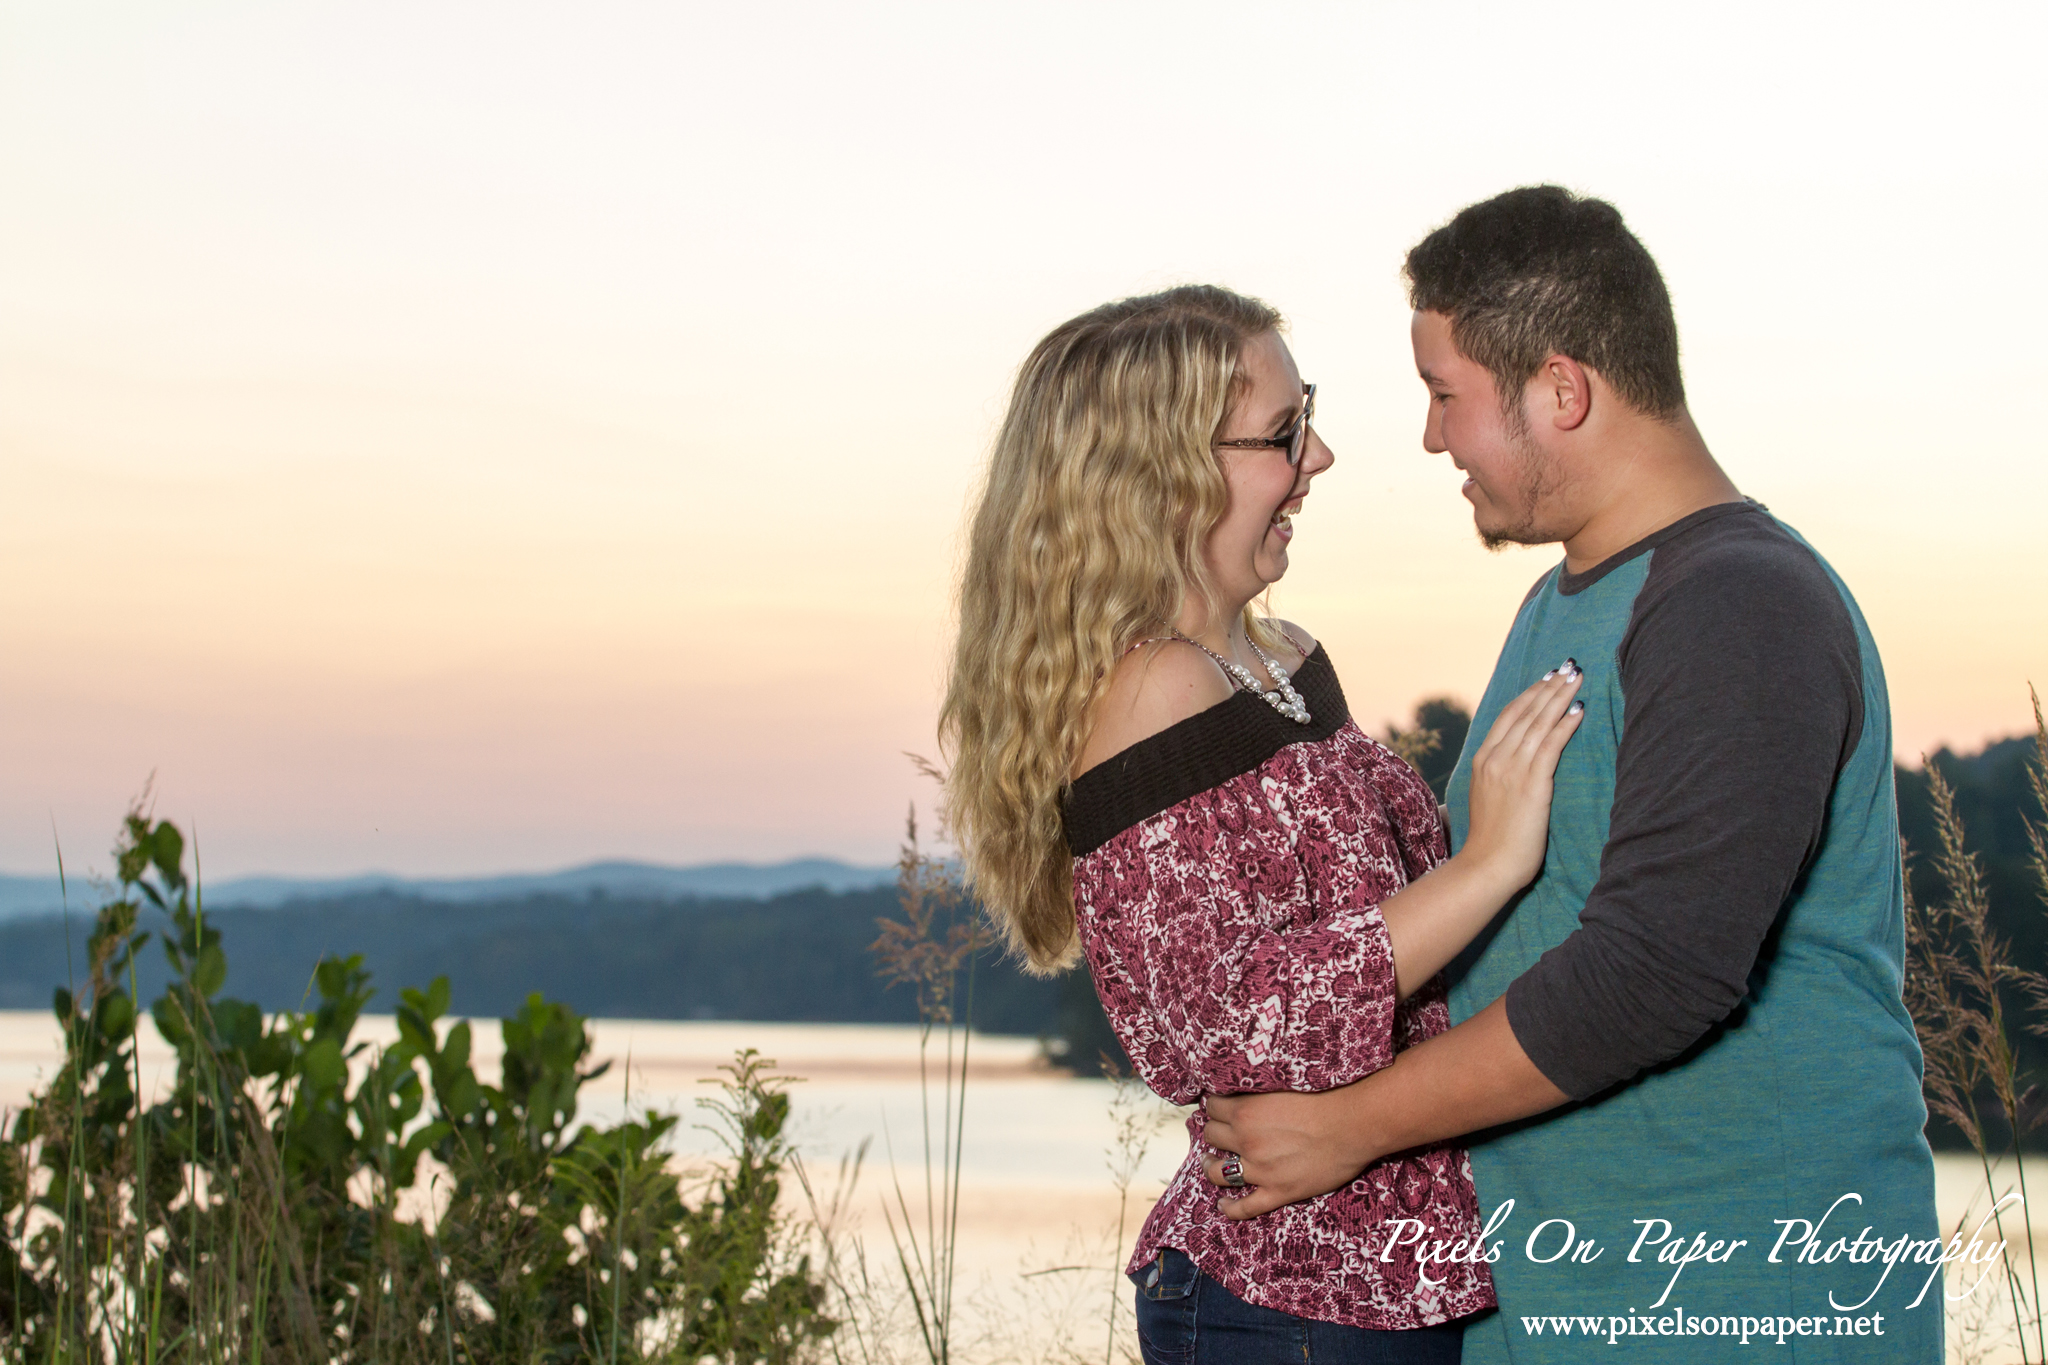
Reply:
x=1413, y=816
x=1237, y=940
x=1744, y=684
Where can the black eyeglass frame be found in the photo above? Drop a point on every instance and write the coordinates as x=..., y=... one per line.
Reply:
x=1294, y=440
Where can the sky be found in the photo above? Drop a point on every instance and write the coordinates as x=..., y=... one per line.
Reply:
x=469, y=437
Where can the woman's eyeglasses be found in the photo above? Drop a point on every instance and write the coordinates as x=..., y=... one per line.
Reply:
x=1291, y=440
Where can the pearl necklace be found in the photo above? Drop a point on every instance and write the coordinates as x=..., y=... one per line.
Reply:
x=1282, y=698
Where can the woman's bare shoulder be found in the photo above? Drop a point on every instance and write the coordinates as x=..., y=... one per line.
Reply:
x=1153, y=687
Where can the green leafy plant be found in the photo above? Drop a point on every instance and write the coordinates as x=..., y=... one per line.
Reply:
x=299, y=1196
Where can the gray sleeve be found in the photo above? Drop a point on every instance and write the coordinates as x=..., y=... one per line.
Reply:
x=1742, y=686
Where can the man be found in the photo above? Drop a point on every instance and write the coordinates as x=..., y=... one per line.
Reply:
x=1700, y=994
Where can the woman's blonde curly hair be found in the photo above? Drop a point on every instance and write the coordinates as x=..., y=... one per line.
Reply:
x=1086, y=538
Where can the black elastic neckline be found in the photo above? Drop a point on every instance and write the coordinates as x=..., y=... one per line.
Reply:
x=1207, y=749
x=1570, y=584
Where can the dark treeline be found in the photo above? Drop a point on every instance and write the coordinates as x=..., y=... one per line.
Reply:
x=803, y=956
x=798, y=957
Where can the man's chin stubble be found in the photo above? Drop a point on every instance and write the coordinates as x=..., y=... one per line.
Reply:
x=1496, y=541
x=1524, y=530
x=1539, y=481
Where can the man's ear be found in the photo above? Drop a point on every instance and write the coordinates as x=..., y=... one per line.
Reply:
x=1565, y=390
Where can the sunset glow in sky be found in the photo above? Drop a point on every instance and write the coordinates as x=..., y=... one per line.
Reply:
x=482, y=437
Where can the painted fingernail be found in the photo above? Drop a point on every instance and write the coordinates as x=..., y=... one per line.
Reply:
x=1575, y=708
x=1571, y=668
x=1548, y=676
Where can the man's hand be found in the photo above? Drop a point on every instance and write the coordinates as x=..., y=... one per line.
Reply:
x=1299, y=1146
x=1292, y=1147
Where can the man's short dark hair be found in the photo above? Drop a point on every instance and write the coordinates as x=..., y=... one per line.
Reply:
x=1540, y=271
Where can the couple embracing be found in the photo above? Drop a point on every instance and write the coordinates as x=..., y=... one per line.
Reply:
x=1607, y=1051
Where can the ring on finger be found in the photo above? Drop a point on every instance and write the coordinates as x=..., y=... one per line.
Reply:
x=1233, y=1171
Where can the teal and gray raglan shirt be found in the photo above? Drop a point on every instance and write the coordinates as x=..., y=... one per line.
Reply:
x=1710, y=965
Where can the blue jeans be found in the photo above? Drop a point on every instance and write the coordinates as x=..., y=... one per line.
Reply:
x=1186, y=1318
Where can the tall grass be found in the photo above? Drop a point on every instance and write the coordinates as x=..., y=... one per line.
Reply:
x=1968, y=999
x=298, y=1196
x=932, y=948
x=929, y=950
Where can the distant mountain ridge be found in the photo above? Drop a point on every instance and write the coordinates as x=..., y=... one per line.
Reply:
x=25, y=896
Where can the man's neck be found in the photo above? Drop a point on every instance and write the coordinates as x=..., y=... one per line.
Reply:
x=1655, y=473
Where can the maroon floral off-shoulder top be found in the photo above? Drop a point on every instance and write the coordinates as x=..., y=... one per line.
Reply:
x=1228, y=873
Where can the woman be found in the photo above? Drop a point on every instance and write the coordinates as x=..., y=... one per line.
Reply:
x=1146, y=772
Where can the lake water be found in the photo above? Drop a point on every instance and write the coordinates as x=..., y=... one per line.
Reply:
x=1038, y=1211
